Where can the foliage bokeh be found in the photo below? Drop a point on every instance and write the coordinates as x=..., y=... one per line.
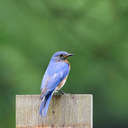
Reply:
x=95, y=31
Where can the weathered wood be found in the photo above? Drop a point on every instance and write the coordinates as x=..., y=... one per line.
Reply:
x=66, y=111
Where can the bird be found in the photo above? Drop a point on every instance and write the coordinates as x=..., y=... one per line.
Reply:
x=54, y=79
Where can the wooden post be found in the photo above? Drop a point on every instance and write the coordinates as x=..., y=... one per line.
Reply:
x=66, y=111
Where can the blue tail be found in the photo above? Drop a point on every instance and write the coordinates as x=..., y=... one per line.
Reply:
x=45, y=103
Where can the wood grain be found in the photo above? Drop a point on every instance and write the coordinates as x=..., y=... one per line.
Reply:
x=66, y=111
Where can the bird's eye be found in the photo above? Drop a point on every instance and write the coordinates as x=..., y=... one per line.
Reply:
x=61, y=55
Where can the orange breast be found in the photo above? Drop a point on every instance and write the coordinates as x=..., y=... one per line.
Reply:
x=66, y=61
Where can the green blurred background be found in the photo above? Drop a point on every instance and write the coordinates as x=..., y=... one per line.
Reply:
x=96, y=31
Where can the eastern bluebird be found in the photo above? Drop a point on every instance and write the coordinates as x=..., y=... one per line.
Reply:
x=54, y=78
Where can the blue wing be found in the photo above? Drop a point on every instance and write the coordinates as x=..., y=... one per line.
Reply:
x=54, y=74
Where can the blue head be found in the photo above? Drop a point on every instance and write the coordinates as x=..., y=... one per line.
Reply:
x=60, y=56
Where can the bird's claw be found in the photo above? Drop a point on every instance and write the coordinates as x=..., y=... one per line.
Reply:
x=58, y=93
x=61, y=92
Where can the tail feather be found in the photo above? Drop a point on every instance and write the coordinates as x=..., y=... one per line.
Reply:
x=45, y=104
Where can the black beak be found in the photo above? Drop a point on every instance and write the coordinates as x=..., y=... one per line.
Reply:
x=70, y=54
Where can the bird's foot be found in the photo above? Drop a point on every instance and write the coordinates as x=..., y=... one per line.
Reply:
x=58, y=93
x=61, y=92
